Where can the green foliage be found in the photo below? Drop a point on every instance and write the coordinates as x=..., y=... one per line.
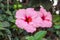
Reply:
x=4, y=24
x=8, y=29
x=57, y=26
x=46, y=3
x=30, y=38
x=58, y=33
x=1, y=28
x=38, y=36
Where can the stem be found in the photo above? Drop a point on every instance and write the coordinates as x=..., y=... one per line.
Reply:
x=9, y=37
x=7, y=4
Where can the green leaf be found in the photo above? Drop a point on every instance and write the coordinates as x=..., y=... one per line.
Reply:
x=57, y=26
x=30, y=38
x=8, y=12
x=16, y=38
x=1, y=5
x=20, y=31
x=51, y=29
x=46, y=3
x=1, y=28
x=8, y=32
x=58, y=33
x=11, y=19
x=56, y=18
x=1, y=33
x=39, y=35
x=1, y=18
x=0, y=0
x=4, y=24
x=14, y=12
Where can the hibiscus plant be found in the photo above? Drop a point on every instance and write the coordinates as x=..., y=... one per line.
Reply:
x=29, y=20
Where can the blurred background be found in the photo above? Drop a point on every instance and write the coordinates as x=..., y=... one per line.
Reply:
x=8, y=29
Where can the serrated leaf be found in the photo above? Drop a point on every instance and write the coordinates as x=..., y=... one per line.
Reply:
x=39, y=35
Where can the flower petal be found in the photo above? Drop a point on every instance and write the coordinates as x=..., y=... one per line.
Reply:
x=20, y=14
x=49, y=16
x=30, y=29
x=46, y=24
x=21, y=23
x=36, y=22
x=43, y=11
x=31, y=12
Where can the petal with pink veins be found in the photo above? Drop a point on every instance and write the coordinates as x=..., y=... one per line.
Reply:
x=21, y=23
x=30, y=29
x=20, y=14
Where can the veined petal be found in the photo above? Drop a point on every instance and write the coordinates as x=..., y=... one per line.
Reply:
x=20, y=14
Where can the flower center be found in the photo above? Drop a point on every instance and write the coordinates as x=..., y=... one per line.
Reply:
x=43, y=17
x=28, y=19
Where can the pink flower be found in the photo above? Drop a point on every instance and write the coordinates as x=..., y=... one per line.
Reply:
x=46, y=18
x=27, y=19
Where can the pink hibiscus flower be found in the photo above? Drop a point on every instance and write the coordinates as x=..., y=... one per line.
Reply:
x=27, y=19
x=46, y=18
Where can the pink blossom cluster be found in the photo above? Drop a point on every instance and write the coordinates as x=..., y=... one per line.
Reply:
x=29, y=19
